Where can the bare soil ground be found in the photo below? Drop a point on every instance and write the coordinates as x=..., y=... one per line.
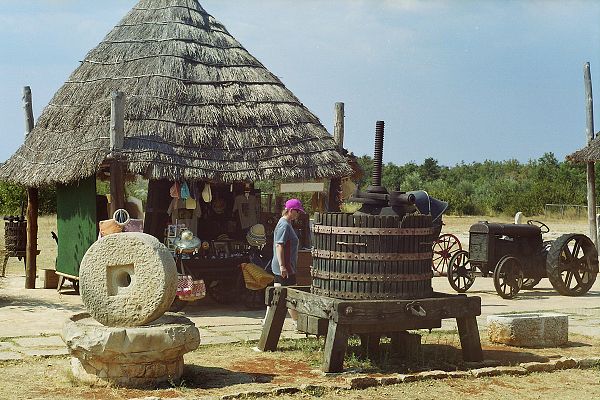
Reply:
x=226, y=369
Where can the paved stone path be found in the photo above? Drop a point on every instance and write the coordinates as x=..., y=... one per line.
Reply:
x=31, y=320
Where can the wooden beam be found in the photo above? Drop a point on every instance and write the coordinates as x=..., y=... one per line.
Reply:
x=591, y=174
x=32, y=204
x=117, y=137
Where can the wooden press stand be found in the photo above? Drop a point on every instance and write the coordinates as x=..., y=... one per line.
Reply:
x=338, y=319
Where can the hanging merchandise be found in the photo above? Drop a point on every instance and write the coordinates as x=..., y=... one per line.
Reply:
x=248, y=208
x=207, y=193
x=256, y=236
x=195, y=190
x=175, y=190
x=185, y=191
x=219, y=205
x=190, y=203
x=317, y=202
x=348, y=187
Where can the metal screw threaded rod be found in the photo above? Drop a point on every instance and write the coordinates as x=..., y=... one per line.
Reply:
x=378, y=154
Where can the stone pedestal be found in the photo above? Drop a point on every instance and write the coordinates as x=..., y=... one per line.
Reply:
x=529, y=330
x=141, y=356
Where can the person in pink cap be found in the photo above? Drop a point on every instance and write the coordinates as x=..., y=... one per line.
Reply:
x=285, y=247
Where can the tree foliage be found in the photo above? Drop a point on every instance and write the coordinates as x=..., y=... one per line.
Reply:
x=489, y=187
x=478, y=188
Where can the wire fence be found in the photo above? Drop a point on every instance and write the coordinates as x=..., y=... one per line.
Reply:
x=567, y=210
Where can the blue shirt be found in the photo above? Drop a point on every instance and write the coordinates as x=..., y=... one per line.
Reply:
x=285, y=235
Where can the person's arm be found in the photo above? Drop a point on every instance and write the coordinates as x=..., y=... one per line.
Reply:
x=279, y=250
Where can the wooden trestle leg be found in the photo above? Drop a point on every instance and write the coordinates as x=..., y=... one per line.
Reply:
x=469, y=338
x=335, y=347
x=273, y=321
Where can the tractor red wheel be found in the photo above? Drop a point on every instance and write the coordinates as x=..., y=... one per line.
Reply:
x=443, y=249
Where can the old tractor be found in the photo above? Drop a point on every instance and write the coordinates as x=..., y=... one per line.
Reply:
x=517, y=258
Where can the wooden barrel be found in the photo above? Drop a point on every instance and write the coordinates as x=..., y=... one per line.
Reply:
x=15, y=235
x=372, y=257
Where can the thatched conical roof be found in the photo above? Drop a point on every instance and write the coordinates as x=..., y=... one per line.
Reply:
x=590, y=153
x=198, y=106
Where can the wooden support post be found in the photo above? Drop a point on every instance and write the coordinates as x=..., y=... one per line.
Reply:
x=32, y=231
x=338, y=130
x=591, y=174
x=28, y=108
x=469, y=338
x=333, y=203
x=406, y=345
x=273, y=323
x=369, y=343
x=32, y=204
x=117, y=134
x=336, y=344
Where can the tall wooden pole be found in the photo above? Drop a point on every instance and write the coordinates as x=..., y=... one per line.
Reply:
x=117, y=134
x=333, y=201
x=32, y=205
x=591, y=174
x=338, y=130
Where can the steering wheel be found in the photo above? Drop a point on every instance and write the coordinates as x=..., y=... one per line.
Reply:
x=543, y=227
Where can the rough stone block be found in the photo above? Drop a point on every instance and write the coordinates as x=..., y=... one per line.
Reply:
x=459, y=374
x=388, y=380
x=433, y=374
x=538, y=367
x=497, y=371
x=589, y=362
x=362, y=382
x=529, y=330
x=130, y=357
x=564, y=363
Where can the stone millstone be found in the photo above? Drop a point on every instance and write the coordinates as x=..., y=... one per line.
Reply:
x=529, y=330
x=141, y=356
x=127, y=279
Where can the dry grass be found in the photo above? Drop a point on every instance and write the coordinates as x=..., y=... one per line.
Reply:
x=224, y=369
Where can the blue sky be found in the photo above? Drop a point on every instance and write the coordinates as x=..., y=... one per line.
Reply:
x=453, y=80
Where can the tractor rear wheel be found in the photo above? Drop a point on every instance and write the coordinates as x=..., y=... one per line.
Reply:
x=572, y=264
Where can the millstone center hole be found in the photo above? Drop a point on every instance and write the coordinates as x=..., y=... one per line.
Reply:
x=123, y=279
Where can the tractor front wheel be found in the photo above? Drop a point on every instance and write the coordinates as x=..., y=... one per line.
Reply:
x=461, y=274
x=508, y=277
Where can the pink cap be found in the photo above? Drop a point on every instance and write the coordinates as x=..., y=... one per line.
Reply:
x=294, y=204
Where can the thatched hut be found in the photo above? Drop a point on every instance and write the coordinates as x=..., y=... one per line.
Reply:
x=590, y=153
x=198, y=107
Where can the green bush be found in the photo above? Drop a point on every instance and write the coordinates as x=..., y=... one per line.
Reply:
x=13, y=199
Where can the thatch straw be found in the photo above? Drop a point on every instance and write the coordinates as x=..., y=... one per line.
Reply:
x=198, y=106
x=590, y=153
